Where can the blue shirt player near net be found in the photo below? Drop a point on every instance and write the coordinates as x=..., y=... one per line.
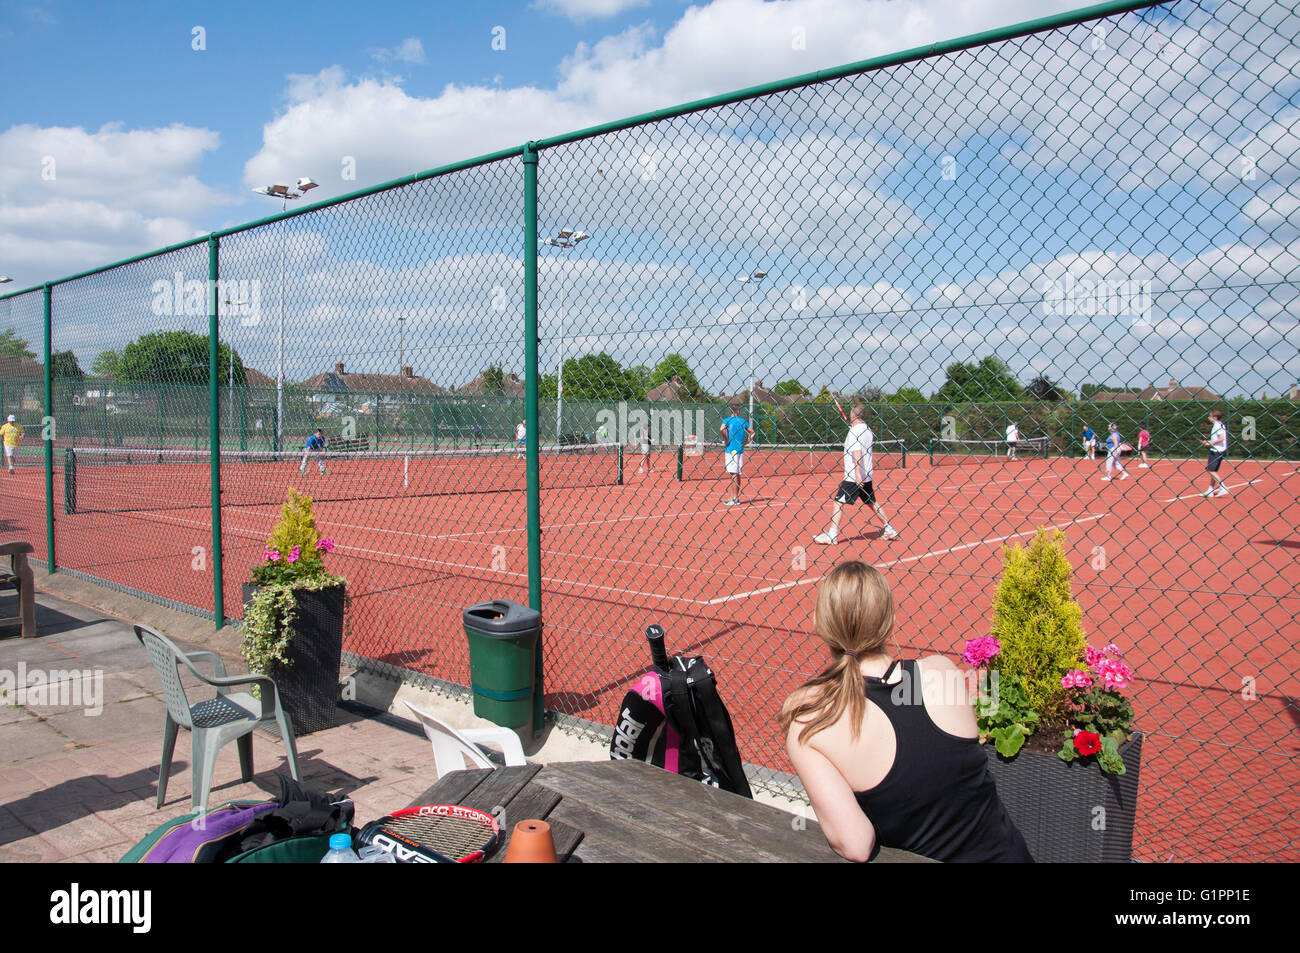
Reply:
x=734, y=430
x=315, y=445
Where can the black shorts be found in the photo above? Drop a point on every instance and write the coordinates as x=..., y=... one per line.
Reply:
x=1215, y=459
x=850, y=492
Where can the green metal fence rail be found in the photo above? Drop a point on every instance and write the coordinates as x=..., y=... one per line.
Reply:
x=1080, y=221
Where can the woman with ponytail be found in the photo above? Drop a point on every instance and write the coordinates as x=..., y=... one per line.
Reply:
x=888, y=750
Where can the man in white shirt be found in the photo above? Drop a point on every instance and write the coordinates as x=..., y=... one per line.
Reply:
x=1013, y=438
x=521, y=438
x=857, y=478
x=1218, y=444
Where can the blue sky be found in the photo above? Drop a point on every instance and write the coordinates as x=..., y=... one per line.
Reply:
x=1118, y=157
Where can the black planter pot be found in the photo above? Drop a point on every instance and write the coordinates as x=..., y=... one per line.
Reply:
x=1070, y=811
x=309, y=686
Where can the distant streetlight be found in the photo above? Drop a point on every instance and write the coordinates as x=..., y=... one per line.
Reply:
x=285, y=194
x=235, y=304
x=753, y=280
x=566, y=238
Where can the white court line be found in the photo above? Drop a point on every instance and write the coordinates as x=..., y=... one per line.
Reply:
x=906, y=559
x=1232, y=486
x=520, y=575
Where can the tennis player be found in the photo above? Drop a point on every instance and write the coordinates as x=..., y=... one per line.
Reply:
x=1144, y=440
x=315, y=445
x=1218, y=444
x=646, y=446
x=521, y=438
x=735, y=429
x=1090, y=442
x=857, y=478
x=1114, y=447
x=1013, y=438
x=12, y=435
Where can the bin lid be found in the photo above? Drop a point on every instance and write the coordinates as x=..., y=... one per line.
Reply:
x=502, y=617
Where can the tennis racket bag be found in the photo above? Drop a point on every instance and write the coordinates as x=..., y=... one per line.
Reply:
x=674, y=719
x=295, y=828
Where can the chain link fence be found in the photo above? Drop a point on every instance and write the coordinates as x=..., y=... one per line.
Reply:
x=1031, y=236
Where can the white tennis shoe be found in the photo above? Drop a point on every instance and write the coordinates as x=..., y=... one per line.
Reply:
x=889, y=533
x=825, y=539
x=1221, y=491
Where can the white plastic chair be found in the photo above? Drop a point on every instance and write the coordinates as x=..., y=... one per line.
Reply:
x=451, y=748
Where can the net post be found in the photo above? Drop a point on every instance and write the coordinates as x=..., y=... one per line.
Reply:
x=47, y=425
x=531, y=414
x=681, y=452
x=214, y=430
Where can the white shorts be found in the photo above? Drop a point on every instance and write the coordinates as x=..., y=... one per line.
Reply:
x=10, y=452
x=735, y=461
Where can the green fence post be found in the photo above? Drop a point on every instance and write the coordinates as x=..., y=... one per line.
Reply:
x=214, y=432
x=531, y=414
x=48, y=430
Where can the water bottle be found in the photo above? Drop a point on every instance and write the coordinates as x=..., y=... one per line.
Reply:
x=340, y=851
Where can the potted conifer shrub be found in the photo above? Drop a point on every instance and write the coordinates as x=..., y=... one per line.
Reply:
x=293, y=618
x=1051, y=710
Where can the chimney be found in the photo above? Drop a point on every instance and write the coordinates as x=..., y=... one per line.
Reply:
x=406, y=371
x=338, y=368
x=1172, y=382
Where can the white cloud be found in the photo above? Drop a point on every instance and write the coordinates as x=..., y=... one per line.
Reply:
x=410, y=50
x=74, y=198
x=582, y=10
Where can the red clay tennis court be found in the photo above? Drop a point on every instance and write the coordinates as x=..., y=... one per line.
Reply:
x=1158, y=569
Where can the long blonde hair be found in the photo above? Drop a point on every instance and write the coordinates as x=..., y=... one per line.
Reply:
x=855, y=617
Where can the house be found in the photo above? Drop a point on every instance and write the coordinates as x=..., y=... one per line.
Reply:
x=513, y=386
x=673, y=390
x=255, y=378
x=763, y=395
x=328, y=390
x=1293, y=393
x=23, y=380
x=1112, y=395
x=1175, y=391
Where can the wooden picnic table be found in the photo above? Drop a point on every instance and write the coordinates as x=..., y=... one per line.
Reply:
x=633, y=812
x=19, y=578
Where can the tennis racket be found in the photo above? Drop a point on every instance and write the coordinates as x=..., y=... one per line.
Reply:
x=836, y=397
x=435, y=834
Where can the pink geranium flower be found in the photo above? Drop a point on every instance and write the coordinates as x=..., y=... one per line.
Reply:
x=1114, y=674
x=980, y=651
x=270, y=555
x=325, y=544
x=293, y=555
x=1076, y=679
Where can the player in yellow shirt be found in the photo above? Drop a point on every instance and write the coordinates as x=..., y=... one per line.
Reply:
x=12, y=435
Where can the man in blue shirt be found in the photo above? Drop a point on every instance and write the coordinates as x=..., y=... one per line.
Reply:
x=315, y=444
x=1090, y=442
x=734, y=430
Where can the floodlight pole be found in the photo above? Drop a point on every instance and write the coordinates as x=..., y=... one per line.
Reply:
x=752, y=280
x=567, y=238
x=285, y=193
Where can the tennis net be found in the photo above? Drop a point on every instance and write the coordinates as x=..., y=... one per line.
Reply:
x=116, y=479
x=786, y=459
x=972, y=452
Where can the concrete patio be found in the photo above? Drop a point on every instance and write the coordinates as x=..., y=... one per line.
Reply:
x=78, y=780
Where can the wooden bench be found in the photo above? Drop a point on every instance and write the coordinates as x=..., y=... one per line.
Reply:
x=19, y=577
x=349, y=444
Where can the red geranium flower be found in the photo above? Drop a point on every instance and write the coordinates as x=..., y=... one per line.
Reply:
x=1087, y=742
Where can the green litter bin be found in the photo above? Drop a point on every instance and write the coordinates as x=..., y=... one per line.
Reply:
x=503, y=661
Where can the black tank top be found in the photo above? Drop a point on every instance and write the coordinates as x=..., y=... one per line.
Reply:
x=938, y=799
